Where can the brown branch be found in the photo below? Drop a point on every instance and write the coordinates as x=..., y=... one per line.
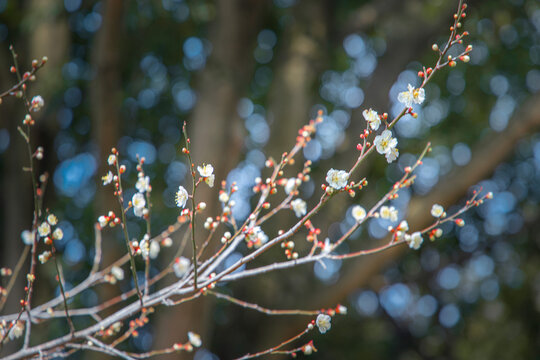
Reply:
x=488, y=154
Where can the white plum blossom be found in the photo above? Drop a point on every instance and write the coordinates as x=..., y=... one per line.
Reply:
x=327, y=246
x=308, y=350
x=385, y=142
x=323, y=323
x=257, y=237
x=412, y=95
x=206, y=171
x=117, y=272
x=138, y=201
x=27, y=237
x=223, y=197
x=143, y=184
x=372, y=118
x=17, y=330
x=392, y=155
x=181, y=266
x=358, y=213
x=37, y=103
x=403, y=226
x=415, y=240
x=44, y=257
x=44, y=229
x=111, y=160
x=181, y=197
x=290, y=185
x=58, y=234
x=52, y=219
x=194, y=339
x=107, y=179
x=103, y=221
x=437, y=211
x=154, y=249
x=337, y=179
x=389, y=212
x=299, y=207
x=140, y=212
x=144, y=246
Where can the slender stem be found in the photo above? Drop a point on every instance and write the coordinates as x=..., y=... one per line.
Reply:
x=120, y=194
x=277, y=347
x=60, y=282
x=14, y=275
x=193, y=208
x=261, y=309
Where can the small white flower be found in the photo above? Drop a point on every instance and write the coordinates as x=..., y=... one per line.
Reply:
x=257, y=237
x=139, y=211
x=52, y=219
x=181, y=266
x=289, y=186
x=37, y=103
x=327, y=246
x=144, y=246
x=206, y=171
x=27, y=237
x=393, y=214
x=103, y=221
x=111, y=160
x=44, y=229
x=223, y=197
x=437, y=211
x=392, y=155
x=299, y=207
x=337, y=179
x=358, y=213
x=44, y=257
x=372, y=118
x=210, y=180
x=385, y=142
x=138, y=201
x=194, y=339
x=389, y=212
x=323, y=323
x=412, y=95
x=58, y=234
x=342, y=309
x=400, y=235
x=154, y=249
x=107, y=179
x=117, y=272
x=403, y=226
x=143, y=184
x=181, y=197
x=17, y=330
x=415, y=240
x=308, y=350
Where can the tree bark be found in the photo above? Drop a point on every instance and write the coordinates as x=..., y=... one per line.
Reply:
x=216, y=134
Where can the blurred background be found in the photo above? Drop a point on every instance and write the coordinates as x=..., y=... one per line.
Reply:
x=245, y=75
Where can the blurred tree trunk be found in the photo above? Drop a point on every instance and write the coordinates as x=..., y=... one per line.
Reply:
x=216, y=134
x=47, y=35
x=106, y=102
x=300, y=60
x=17, y=202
